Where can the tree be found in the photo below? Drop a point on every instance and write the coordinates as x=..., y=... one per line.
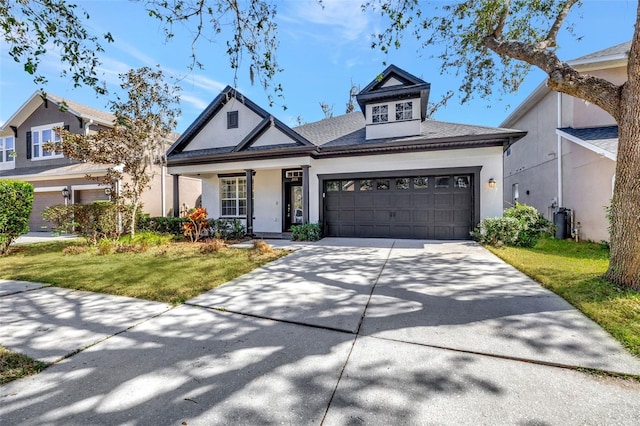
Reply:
x=16, y=202
x=30, y=27
x=137, y=143
x=327, y=109
x=492, y=43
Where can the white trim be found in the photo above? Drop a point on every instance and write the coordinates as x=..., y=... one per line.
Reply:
x=559, y=149
x=49, y=189
x=40, y=177
x=587, y=145
x=88, y=186
x=41, y=142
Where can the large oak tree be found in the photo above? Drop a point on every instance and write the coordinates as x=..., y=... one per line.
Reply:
x=492, y=43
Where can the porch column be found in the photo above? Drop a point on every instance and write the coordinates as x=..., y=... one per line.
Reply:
x=249, y=174
x=305, y=194
x=176, y=195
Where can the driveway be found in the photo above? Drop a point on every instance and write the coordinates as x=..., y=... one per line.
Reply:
x=339, y=332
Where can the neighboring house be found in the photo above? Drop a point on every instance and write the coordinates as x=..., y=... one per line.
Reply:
x=387, y=171
x=568, y=157
x=23, y=158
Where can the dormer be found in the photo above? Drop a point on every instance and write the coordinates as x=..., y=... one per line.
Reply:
x=394, y=104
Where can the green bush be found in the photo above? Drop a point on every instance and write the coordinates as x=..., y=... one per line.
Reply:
x=306, y=232
x=94, y=222
x=227, y=229
x=162, y=225
x=521, y=226
x=16, y=202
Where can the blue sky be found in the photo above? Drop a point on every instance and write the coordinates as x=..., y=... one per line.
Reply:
x=321, y=50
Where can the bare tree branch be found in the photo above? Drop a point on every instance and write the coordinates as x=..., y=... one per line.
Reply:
x=497, y=33
x=550, y=41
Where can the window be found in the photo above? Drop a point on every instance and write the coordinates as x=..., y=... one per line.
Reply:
x=380, y=114
x=232, y=120
x=420, y=182
x=382, y=184
x=233, y=196
x=404, y=111
x=515, y=193
x=7, y=150
x=333, y=185
x=366, y=185
x=461, y=182
x=402, y=183
x=41, y=135
x=508, y=151
x=442, y=181
x=348, y=185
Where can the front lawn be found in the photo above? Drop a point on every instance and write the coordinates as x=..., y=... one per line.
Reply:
x=170, y=273
x=574, y=271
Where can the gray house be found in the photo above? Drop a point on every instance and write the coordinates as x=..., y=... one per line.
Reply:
x=23, y=158
x=387, y=171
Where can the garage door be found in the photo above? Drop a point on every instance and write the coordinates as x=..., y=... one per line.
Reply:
x=42, y=200
x=423, y=207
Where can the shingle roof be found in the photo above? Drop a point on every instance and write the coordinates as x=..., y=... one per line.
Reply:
x=603, y=137
x=349, y=130
x=618, y=49
x=52, y=172
x=83, y=110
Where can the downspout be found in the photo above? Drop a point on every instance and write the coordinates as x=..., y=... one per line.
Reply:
x=559, y=150
x=163, y=189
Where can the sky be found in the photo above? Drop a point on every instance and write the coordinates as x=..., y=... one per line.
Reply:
x=323, y=50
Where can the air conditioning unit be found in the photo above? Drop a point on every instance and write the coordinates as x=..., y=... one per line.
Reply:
x=293, y=174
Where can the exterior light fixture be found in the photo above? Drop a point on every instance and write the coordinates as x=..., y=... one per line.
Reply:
x=107, y=191
x=492, y=183
x=66, y=194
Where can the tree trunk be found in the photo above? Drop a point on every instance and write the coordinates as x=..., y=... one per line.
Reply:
x=624, y=265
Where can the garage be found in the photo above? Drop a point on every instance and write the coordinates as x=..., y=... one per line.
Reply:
x=42, y=200
x=421, y=206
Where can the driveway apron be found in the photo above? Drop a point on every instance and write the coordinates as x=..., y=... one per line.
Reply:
x=460, y=296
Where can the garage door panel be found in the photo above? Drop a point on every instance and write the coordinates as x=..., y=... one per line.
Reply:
x=402, y=207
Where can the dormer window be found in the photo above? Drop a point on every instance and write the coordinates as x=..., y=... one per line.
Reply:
x=380, y=114
x=404, y=111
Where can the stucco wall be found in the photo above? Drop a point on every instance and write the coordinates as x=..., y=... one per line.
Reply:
x=589, y=115
x=268, y=178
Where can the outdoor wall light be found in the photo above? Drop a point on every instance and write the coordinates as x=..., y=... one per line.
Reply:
x=66, y=194
x=492, y=183
x=107, y=191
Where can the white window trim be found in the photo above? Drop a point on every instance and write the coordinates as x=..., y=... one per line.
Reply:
x=40, y=129
x=237, y=196
x=4, y=164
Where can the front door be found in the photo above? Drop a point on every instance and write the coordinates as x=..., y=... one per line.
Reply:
x=292, y=204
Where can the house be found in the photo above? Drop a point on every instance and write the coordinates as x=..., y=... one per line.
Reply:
x=568, y=157
x=23, y=158
x=387, y=171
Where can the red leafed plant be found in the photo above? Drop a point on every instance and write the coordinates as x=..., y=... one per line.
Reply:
x=197, y=224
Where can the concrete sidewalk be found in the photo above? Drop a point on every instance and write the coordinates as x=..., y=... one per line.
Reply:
x=339, y=332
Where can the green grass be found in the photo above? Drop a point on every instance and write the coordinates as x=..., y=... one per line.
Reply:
x=574, y=271
x=14, y=366
x=169, y=273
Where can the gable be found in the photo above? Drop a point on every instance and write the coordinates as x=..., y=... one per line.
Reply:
x=391, y=81
x=215, y=133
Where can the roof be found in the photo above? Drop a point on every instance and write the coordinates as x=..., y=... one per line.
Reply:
x=38, y=98
x=216, y=105
x=602, y=140
x=612, y=56
x=48, y=171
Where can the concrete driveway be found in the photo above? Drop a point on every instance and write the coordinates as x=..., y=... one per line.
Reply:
x=339, y=332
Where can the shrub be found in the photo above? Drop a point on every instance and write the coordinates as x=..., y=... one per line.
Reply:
x=163, y=225
x=16, y=202
x=105, y=247
x=197, y=224
x=262, y=247
x=212, y=246
x=521, y=226
x=75, y=249
x=94, y=222
x=306, y=232
x=150, y=239
x=227, y=229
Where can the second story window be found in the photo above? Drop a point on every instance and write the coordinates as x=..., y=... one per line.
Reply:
x=7, y=150
x=380, y=114
x=41, y=135
x=404, y=111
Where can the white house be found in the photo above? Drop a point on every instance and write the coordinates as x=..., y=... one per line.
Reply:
x=387, y=171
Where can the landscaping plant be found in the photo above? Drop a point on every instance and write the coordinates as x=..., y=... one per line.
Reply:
x=521, y=226
x=306, y=232
x=16, y=202
x=196, y=225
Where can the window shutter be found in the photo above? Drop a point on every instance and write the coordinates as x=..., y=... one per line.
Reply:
x=28, y=145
